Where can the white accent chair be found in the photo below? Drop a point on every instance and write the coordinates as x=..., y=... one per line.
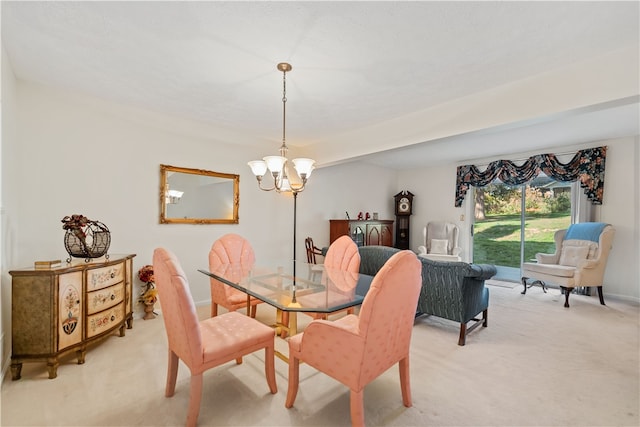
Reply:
x=440, y=242
x=579, y=260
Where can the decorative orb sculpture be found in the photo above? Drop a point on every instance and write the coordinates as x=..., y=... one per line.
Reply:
x=87, y=239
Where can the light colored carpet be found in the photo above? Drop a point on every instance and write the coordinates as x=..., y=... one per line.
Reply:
x=537, y=364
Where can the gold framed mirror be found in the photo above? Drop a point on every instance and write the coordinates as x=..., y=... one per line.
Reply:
x=196, y=196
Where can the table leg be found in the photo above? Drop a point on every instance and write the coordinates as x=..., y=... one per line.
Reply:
x=286, y=324
x=293, y=323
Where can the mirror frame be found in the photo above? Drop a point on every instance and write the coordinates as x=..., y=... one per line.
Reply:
x=164, y=169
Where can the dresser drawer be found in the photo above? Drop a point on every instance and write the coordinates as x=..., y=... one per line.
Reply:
x=104, y=298
x=104, y=277
x=105, y=320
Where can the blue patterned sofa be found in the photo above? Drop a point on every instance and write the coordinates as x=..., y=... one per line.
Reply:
x=451, y=290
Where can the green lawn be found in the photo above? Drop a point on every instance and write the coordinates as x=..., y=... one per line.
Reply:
x=497, y=239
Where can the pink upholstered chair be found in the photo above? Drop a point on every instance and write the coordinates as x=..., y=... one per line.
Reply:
x=230, y=248
x=202, y=345
x=357, y=349
x=342, y=255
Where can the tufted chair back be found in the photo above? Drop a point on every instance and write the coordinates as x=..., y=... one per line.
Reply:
x=176, y=302
x=230, y=249
x=343, y=255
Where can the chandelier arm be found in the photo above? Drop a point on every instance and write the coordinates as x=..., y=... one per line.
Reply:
x=265, y=189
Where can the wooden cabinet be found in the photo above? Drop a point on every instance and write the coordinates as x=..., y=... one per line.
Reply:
x=364, y=233
x=57, y=310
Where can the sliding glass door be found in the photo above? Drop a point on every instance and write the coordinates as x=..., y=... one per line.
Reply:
x=513, y=223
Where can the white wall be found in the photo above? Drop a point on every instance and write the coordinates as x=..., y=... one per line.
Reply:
x=7, y=104
x=435, y=195
x=349, y=188
x=77, y=155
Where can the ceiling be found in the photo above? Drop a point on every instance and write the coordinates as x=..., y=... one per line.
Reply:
x=355, y=65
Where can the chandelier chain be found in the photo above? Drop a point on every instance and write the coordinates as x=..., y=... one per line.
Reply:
x=283, y=149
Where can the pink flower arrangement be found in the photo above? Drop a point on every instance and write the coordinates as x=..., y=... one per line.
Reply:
x=149, y=294
x=145, y=274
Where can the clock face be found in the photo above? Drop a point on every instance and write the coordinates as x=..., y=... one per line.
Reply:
x=403, y=206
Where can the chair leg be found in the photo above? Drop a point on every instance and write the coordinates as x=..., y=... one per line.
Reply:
x=601, y=295
x=294, y=378
x=254, y=310
x=357, y=408
x=270, y=368
x=194, y=400
x=567, y=292
x=285, y=322
x=214, y=309
x=405, y=383
x=535, y=282
x=463, y=334
x=485, y=317
x=172, y=374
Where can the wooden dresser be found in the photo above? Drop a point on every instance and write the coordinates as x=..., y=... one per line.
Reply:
x=57, y=310
x=363, y=232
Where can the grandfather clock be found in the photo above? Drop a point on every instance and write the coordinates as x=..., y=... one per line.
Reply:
x=404, y=209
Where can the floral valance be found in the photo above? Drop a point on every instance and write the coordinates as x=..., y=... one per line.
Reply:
x=587, y=166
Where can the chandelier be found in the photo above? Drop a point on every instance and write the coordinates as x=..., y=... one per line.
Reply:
x=278, y=165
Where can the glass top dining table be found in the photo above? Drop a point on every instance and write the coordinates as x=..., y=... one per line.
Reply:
x=295, y=286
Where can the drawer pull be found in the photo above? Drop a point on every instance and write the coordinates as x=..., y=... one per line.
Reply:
x=113, y=275
x=113, y=297
x=113, y=318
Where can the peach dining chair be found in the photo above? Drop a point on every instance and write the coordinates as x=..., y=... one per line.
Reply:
x=342, y=255
x=357, y=349
x=205, y=344
x=230, y=249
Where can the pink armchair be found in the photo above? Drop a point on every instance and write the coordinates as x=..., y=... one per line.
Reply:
x=203, y=345
x=357, y=349
x=230, y=248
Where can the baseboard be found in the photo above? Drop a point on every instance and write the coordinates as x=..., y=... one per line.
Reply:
x=625, y=298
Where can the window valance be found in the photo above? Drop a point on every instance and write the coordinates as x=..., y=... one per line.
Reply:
x=586, y=166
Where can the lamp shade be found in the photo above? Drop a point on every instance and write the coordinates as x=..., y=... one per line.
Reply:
x=258, y=167
x=303, y=166
x=275, y=163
